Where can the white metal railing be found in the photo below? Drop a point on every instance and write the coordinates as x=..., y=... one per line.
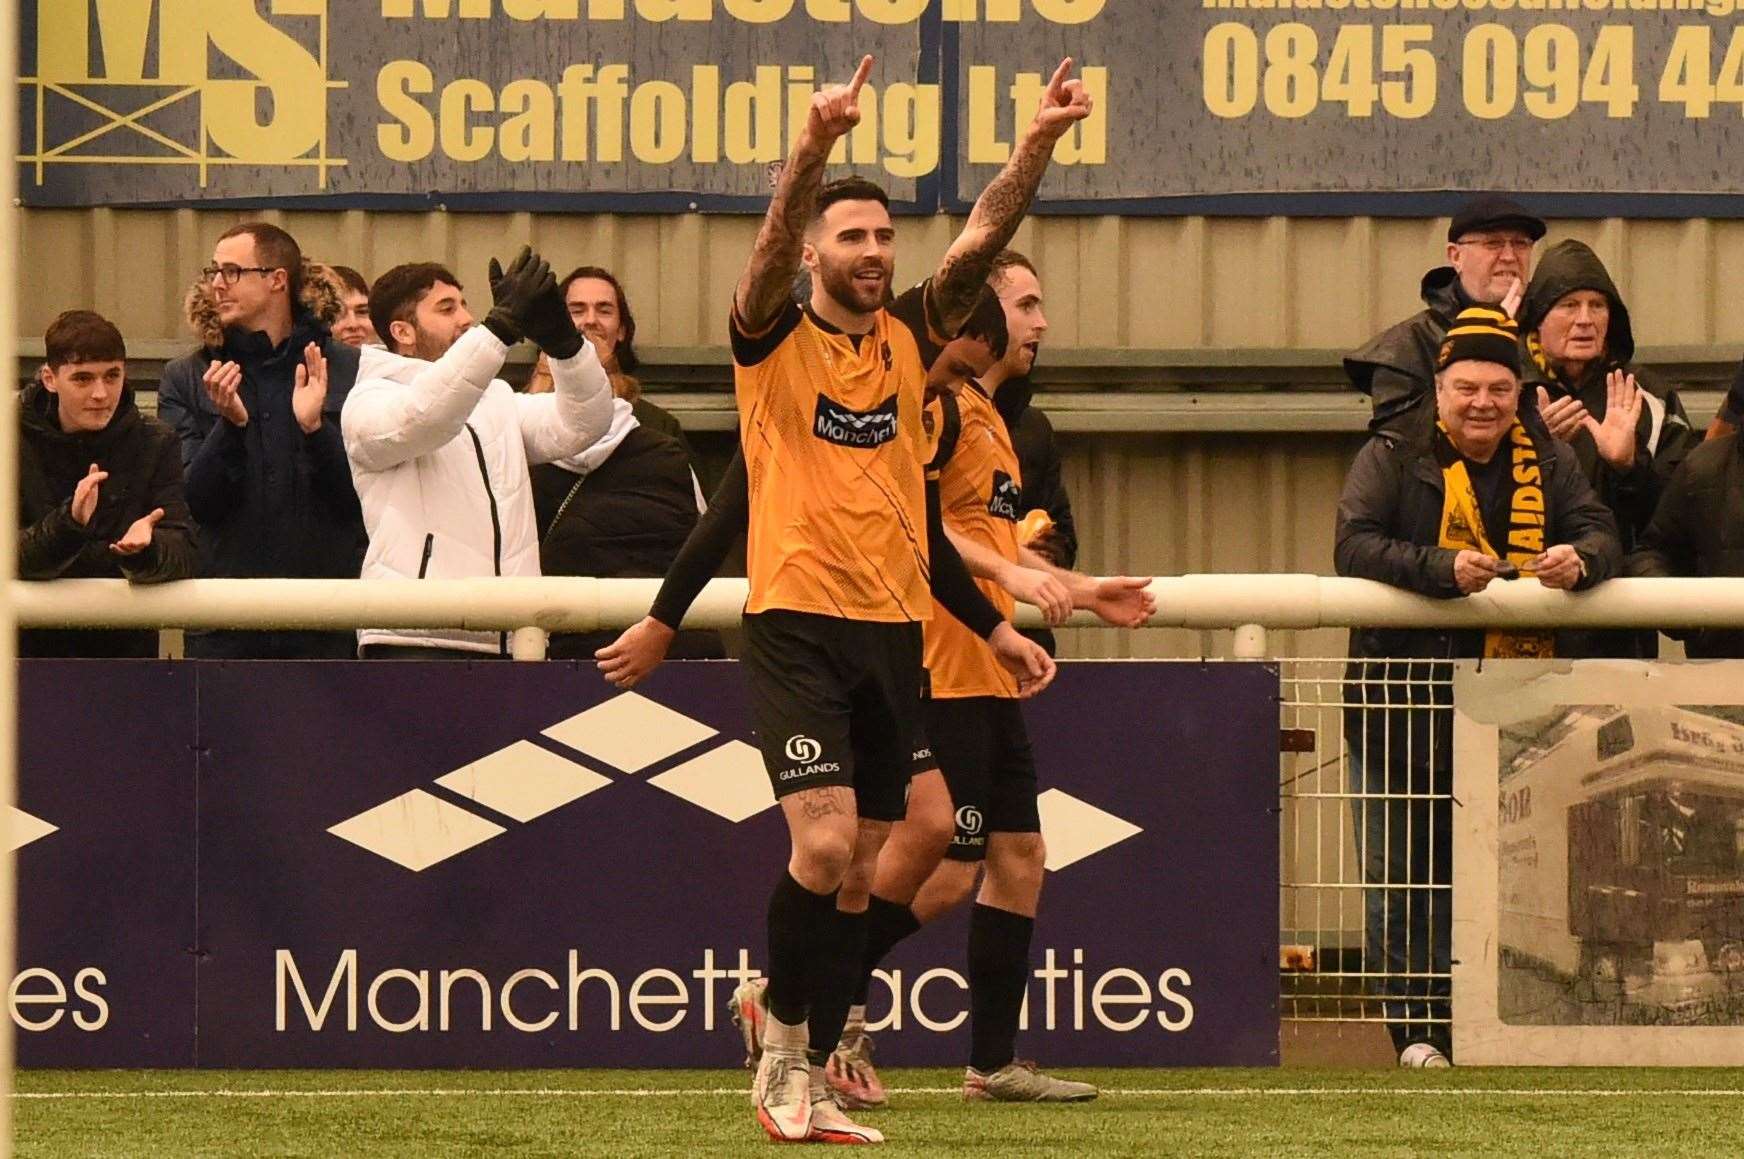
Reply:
x=1251, y=604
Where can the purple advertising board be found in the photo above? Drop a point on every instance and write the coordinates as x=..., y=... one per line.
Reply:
x=513, y=865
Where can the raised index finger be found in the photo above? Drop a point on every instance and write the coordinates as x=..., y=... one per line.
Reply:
x=1057, y=85
x=860, y=75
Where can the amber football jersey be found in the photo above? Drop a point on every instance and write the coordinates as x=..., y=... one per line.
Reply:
x=834, y=451
x=981, y=498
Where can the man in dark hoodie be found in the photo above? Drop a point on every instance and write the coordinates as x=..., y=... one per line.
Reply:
x=258, y=415
x=1489, y=254
x=99, y=484
x=1629, y=431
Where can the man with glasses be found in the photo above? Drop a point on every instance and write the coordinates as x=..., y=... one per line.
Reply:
x=1489, y=255
x=258, y=416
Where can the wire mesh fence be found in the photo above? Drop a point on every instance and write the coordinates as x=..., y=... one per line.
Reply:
x=1365, y=790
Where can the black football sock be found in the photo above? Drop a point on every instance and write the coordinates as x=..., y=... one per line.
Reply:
x=836, y=967
x=887, y=923
x=797, y=921
x=998, y=973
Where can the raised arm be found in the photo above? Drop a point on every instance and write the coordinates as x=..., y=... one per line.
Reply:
x=767, y=283
x=1000, y=208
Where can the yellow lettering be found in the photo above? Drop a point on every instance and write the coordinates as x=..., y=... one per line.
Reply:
x=829, y=11
x=461, y=139
x=753, y=118
x=1069, y=11
x=435, y=9
x=801, y=84
x=542, y=9
x=759, y=11
x=663, y=10
x=657, y=122
x=413, y=138
x=985, y=147
x=531, y=133
x=911, y=129
x=1529, y=499
x=892, y=11
x=705, y=130
x=289, y=73
x=1528, y=474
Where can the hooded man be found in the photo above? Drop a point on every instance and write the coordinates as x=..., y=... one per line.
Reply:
x=1629, y=431
x=1489, y=255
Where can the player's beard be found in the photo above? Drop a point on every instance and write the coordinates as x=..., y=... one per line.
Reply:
x=840, y=284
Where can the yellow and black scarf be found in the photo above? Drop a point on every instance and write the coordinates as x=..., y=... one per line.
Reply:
x=1462, y=524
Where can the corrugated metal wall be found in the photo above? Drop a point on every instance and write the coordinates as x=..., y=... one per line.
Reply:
x=1152, y=503
x=1180, y=283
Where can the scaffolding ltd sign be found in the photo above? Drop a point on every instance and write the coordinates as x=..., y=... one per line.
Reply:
x=674, y=105
x=446, y=865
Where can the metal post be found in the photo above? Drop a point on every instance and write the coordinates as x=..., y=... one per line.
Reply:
x=528, y=644
x=1250, y=642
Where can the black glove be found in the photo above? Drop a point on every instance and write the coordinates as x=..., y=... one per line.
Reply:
x=510, y=290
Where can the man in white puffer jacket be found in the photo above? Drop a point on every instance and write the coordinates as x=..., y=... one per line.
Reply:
x=440, y=447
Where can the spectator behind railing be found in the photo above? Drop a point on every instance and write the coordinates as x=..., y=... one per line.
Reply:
x=353, y=326
x=1628, y=430
x=1698, y=530
x=601, y=310
x=440, y=446
x=1471, y=496
x=257, y=412
x=1489, y=254
x=99, y=484
x=1731, y=411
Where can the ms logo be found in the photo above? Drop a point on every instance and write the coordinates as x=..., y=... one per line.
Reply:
x=196, y=83
x=803, y=749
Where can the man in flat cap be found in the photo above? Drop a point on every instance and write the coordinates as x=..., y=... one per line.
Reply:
x=1489, y=255
x=1469, y=496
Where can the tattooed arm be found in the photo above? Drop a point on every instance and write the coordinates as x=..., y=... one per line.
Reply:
x=767, y=282
x=1001, y=206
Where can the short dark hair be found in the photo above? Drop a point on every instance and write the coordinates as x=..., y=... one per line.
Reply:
x=351, y=280
x=626, y=350
x=275, y=249
x=396, y=294
x=1004, y=261
x=849, y=189
x=83, y=336
x=986, y=322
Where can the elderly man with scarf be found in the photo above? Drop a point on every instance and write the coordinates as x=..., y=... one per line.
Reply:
x=1471, y=496
x=1629, y=431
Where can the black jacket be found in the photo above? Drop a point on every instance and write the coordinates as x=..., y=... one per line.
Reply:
x=1389, y=525
x=1698, y=530
x=145, y=472
x=268, y=500
x=1663, y=436
x=625, y=519
x=1038, y=462
x=1396, y=369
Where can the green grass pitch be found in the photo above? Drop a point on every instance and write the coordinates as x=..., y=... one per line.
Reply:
x=1545, y=1114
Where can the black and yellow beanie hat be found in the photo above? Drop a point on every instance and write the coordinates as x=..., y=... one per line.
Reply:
x=1481, y=334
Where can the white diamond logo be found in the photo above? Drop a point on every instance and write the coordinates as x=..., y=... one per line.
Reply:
x=1075, y=829
x=728, y=781
x=523, y=781
x=416, y=830
x=22, y=828
x=629, y=732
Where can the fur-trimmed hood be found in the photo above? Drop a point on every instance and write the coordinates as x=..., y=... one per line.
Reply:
x=322, y=298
